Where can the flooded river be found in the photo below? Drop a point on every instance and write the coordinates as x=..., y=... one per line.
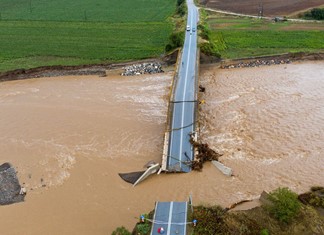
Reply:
x=69, y=137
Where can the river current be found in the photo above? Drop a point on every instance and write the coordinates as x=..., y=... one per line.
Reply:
x=69, y=137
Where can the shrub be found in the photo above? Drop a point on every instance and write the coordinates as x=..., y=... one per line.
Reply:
x=182, y=9
x=176, y=40
x=121, y=231
x=284, y=204
x=210, y=220
x=317, y=189
x=180, y=2
x=314, y=198
x=316, y=13
x=143, y=229
x=205, y=31
x=210, y=49
x=264, y=232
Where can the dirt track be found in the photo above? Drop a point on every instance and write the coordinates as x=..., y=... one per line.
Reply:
x=270, y=7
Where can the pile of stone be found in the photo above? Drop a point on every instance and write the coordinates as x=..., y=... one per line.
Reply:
x=144, y=68
x=257, y=63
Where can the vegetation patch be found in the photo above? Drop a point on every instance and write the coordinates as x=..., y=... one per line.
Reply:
x=176, y=39
x=112, y=11
x=210, y=45
x=314, y=198
x=237, y=37
x=315, y=14
x=284, y=205
x=121, y=231
x=143, y=227
x=210, y=220
x=181, y=7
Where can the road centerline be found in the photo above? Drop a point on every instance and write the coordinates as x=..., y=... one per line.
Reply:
x=184, y=94
x=170, y=218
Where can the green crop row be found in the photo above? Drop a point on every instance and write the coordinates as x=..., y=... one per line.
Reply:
x=87, y=10
x=243, y=37
x=25, y=44
x=68, y=32
x=246, y=43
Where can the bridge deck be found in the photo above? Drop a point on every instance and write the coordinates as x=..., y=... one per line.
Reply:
x=171, y=216
x=180, y=152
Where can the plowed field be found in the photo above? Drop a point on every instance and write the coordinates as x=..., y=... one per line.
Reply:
x=270, y=7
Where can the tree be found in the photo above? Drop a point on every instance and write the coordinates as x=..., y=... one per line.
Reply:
x=284, y=204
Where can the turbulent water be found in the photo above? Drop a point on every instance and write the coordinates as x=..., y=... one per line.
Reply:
x=69, y=137
x=47, y=122
x=269, y=124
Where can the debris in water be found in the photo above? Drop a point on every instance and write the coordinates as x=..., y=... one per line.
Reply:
x=10, y=189
x=224, y=169
x=204, y=154
x=201, y=88
x=138, y=176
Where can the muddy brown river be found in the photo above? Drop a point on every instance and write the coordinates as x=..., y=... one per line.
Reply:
x=69, y=137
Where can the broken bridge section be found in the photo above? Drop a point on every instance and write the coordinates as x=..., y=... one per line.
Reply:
x=10, y=189
x=170, y=218
x=178, y=151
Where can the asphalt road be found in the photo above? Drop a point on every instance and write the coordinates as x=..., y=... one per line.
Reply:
x=171, y=216
x=180, y=150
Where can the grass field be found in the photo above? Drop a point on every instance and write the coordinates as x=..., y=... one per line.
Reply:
x=61, y=32
x=113, y=11
x=244, y=37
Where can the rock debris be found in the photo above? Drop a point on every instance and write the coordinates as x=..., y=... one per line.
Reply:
x=137, y=69
x=256, y=63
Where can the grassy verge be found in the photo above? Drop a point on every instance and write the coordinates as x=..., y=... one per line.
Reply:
x=177, y=37
x=209, y=44
x=243, y=37
x=110, y=31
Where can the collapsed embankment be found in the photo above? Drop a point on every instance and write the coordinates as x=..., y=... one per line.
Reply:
x=87, y=69
x=100, y=69
x=274, y=59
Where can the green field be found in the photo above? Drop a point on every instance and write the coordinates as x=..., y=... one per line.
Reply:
x=243, y=37
x=60, y=32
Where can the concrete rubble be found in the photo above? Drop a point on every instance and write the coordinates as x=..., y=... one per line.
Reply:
x=224, y=169
x=144, y=68
x=10, y=189
x=257, y=63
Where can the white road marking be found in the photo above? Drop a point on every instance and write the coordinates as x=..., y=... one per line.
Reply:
x=185, y=227
x=183, y=99
x=156, y=204
x=184, y=94
x=170, y=218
